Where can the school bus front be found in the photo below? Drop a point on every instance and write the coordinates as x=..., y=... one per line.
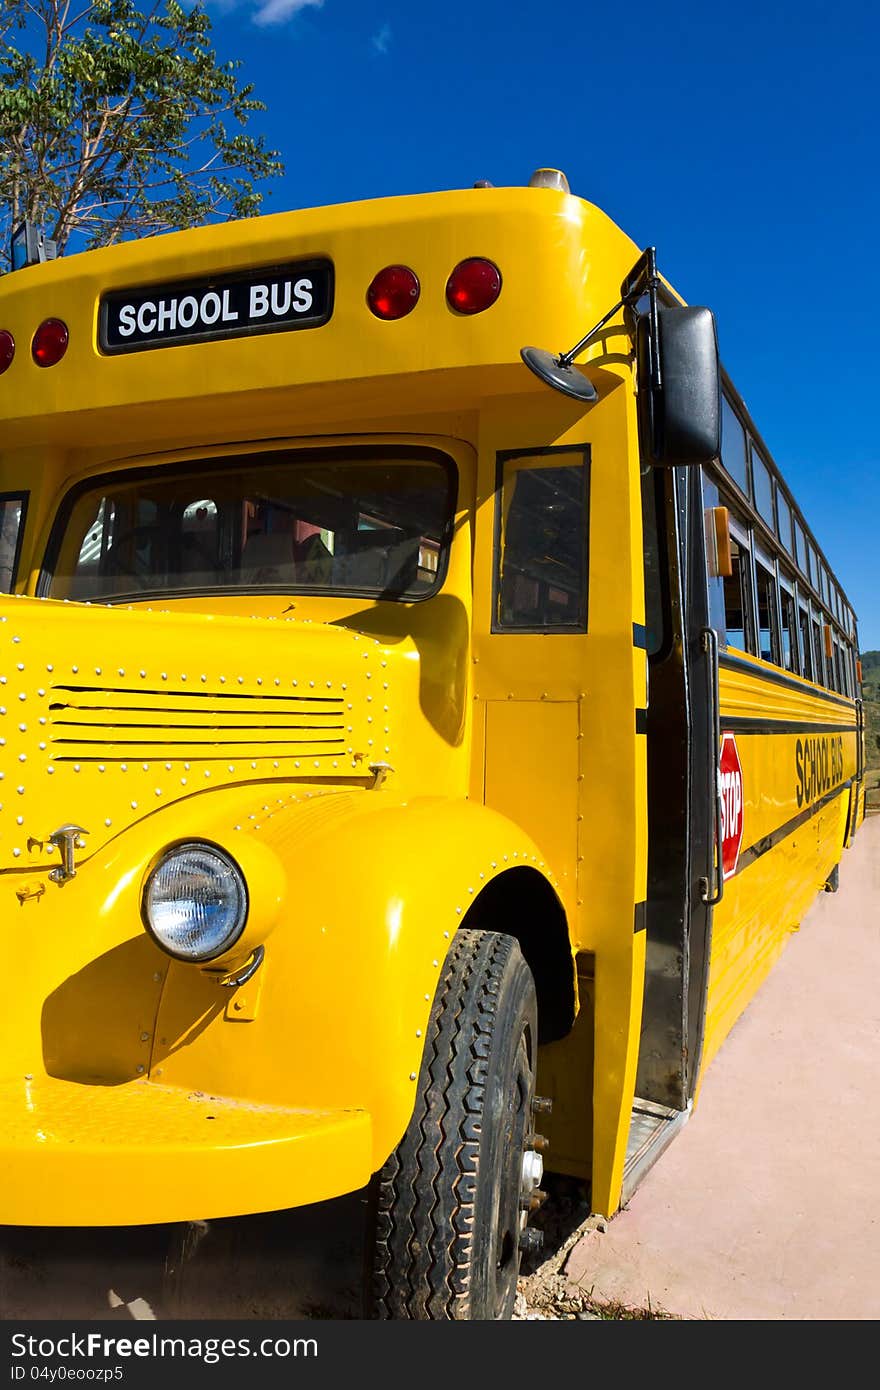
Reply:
x=336, y=821
x=294, y=713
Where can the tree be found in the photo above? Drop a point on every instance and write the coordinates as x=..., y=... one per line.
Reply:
x=118, y=123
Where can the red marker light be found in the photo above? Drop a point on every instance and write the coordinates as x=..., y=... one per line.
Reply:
x=473, y=286
x=394, y=292
x=50, y=342
x=7, y=349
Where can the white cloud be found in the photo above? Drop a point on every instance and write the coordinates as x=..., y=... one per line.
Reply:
x=279, y=11
x=382, y=41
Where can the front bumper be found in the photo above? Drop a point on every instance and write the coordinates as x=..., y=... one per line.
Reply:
x=135, y=1153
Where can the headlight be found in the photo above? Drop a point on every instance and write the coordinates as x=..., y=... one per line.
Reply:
x=195, y=902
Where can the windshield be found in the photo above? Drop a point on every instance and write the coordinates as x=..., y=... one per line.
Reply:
x=372, y=521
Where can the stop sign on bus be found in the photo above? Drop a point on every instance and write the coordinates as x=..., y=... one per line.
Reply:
x=730, y=779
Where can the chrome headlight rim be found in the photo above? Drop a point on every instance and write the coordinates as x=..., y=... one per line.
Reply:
x=178, y=847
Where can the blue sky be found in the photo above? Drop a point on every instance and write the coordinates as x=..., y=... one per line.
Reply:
x=741, y=140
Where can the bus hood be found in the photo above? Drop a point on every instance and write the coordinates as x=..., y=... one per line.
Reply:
x=108, y=715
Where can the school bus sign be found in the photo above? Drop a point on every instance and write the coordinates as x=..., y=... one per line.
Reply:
x=731, y=779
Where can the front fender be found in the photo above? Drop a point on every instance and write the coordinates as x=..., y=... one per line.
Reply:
x=336, y=1017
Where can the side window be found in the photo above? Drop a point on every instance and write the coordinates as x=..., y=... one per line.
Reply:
x=737, y=596
x=838, y=667
x=806, y=642
x=812, y=570
x=768, y=625
x=733, y=446
x=542, y=542
x=830, y=660
x=788, y=632
x=818, y=656
x=800, y=547
x=836, y=682
x=763, y=489
x=783, y=512
x=12, y=510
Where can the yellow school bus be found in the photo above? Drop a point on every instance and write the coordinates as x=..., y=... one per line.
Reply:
x=414, y=731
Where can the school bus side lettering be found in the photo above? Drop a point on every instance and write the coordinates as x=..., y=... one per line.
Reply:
x=818, y=765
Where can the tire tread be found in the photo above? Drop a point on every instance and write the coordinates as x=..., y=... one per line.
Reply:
x=429, y=1183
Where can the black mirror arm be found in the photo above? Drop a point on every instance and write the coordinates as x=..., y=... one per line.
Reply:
x=556, y=369
x=565, y=359
x=642, y=279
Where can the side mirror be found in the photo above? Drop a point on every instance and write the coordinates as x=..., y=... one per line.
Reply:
x=679, y=419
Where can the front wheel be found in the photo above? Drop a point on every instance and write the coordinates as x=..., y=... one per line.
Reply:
x=450, y=1206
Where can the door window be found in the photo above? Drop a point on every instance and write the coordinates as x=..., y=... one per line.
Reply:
x=542, y=542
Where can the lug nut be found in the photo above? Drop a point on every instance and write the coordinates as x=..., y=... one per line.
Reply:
x=540, y=1143
x=531, y=1240
x=542, y=1105
x=533, y=1202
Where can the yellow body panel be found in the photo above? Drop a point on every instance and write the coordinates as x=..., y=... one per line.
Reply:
x=79, y=1155
x=343, y=893
x=766, y=899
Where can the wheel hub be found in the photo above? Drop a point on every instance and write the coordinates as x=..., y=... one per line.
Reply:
x=532, y=1172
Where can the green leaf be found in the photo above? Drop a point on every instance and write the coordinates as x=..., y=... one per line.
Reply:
x=125, y=126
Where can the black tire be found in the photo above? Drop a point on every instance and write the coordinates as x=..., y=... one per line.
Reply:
x=446, y=1214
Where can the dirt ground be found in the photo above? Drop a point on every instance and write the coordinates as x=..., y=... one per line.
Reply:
x=299, y=1264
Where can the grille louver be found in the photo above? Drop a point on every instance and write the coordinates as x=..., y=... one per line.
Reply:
x=111, y=725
